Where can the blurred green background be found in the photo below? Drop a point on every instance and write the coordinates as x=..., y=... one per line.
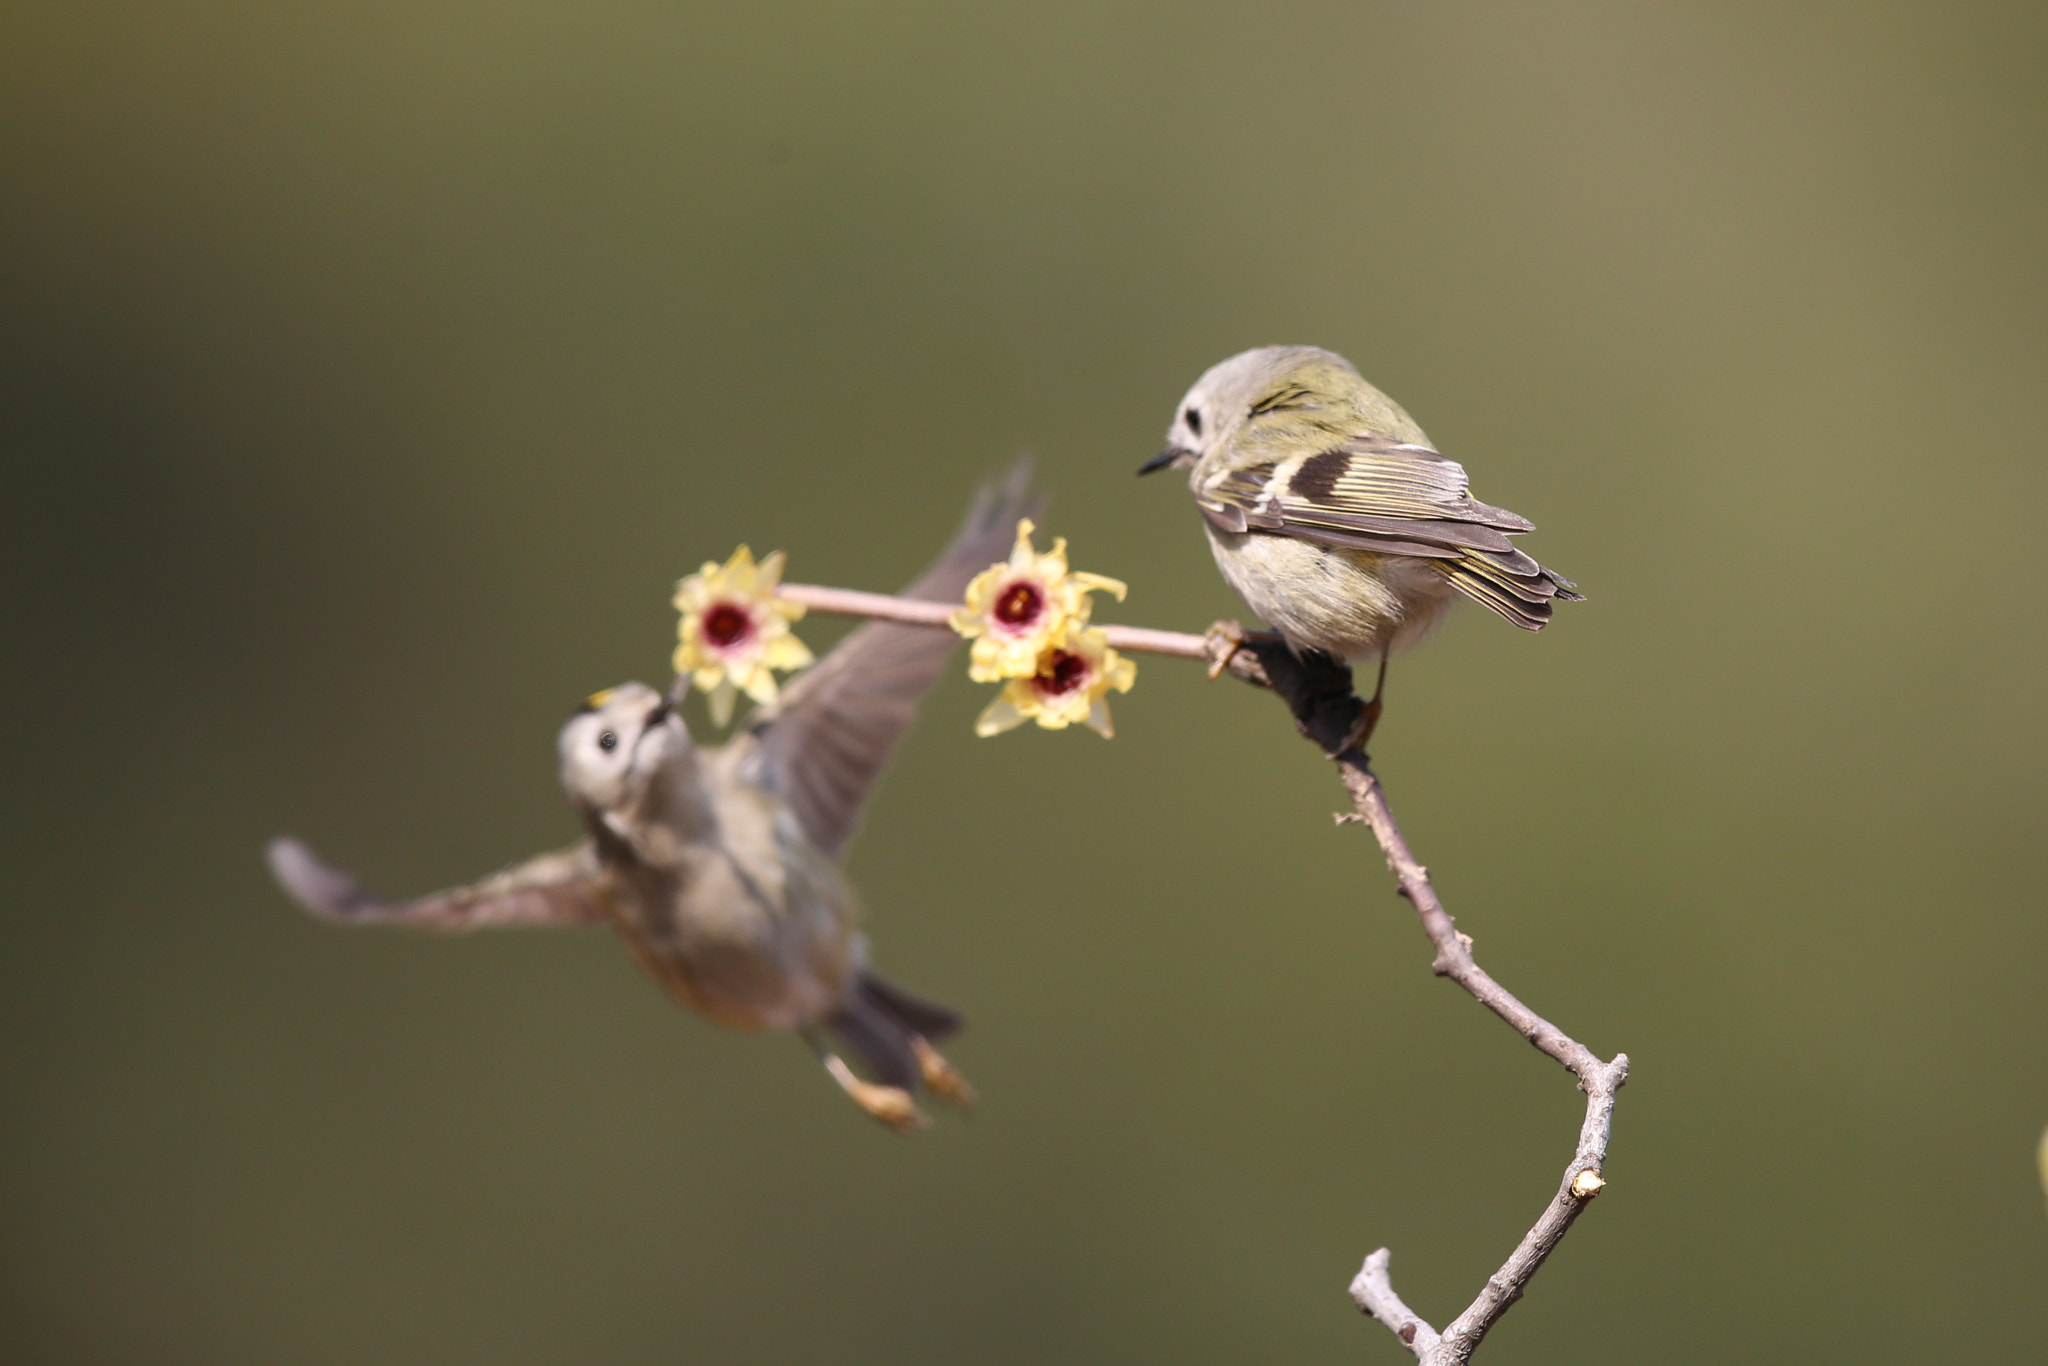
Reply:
x=370, y=372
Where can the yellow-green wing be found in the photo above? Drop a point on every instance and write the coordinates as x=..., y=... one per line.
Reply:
x=1390, y=497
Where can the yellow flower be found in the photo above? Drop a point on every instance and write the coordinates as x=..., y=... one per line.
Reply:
x=1015, y=609
x=1070, y=683
x=735, y=630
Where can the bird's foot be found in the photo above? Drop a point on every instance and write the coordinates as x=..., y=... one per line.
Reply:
x=941, y=1077
x=1361, y=729
x=1223, y=640
x=892, y=1105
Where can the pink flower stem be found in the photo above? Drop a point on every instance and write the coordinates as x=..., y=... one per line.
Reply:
x=848, y=602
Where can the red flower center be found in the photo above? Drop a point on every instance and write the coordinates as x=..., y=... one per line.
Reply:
x=1020, y=604
x=1067, y=672
x=726, y=625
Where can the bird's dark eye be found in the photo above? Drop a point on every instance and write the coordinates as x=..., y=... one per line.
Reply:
x=608, y=740
x=1194, y=421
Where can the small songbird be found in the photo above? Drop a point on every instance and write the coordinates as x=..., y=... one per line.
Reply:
x=1331, y=515
x=720, y=866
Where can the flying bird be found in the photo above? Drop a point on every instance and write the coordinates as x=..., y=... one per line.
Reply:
x=720, y=866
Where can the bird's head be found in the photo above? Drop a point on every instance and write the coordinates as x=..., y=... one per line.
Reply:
x=618, y=744
x=1274, y=394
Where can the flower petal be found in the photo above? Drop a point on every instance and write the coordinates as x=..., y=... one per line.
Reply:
x=1021, y=554
x=720, y=700
x=998, y=716
x=1053, y=563
x=786, y=652
x=1090, y=583
x=759, y=685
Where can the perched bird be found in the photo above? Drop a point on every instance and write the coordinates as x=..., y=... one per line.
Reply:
x=1331, y=515
x=720, y=866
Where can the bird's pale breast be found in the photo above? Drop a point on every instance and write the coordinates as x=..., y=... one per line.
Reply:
x=1350, y=603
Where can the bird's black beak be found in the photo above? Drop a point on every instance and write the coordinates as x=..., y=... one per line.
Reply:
x=660, y=712
x=1171, y=455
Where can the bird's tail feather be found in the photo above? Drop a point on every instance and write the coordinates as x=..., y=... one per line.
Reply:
x=878, y=1025
x=928, y=1018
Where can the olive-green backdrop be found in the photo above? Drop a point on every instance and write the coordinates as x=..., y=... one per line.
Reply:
x=369, y=372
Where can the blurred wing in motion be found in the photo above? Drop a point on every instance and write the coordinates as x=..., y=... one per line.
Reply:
x=1393, y=498
x=824, y=741
x=562, y=888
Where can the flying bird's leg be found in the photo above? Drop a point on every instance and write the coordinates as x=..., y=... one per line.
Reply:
x=890, y=1104
x=941, y=1077
x=896, y=1033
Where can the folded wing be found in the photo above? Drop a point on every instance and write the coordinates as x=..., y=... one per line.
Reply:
x=1392, y=497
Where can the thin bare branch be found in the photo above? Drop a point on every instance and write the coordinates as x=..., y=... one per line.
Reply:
x=1373, y=1290
x=1599, y=1080
x=912, y=612
x=847, y=602
x=1326, y=710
